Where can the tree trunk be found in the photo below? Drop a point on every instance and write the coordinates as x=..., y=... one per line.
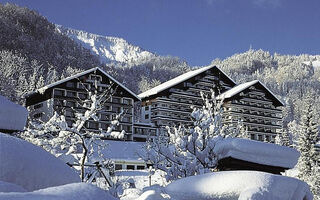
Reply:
x=83, y=160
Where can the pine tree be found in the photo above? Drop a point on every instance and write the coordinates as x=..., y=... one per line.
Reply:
x=308, y=163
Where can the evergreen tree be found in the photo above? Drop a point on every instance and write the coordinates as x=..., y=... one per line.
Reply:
x=308, y=163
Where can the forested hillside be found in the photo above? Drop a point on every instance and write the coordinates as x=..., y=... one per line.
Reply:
x=34, y=53
x=292, y=78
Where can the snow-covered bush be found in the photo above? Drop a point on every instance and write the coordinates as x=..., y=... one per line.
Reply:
x=57, y=137
x=31, y=167
x=182, y=152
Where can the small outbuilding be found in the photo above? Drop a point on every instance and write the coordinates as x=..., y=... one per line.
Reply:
x=244, y=154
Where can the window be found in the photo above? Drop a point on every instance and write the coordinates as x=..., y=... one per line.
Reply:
x=260, y=137
x=71, y=94
x=58, y=102
x=116, y=99
x=127, y=101
x=93, y=125
x=70, y=84
x=82, y=95
x=126, y=128
x=69, y=122
x=146, y=116
x=37, y=106
x=58, y=92
x=116, y=109
x=267, y=138
x=146, y=108
x=117, y=167
x=252, y=136
x=69, y=113
x=107, y=107
x=126, y=119
x=104, y=126
x=130, y=167
x=104, y=117
x=38, y=115
x=71, y=104
x=140, y=167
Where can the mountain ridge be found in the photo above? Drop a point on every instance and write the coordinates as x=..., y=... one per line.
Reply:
x=108, y=49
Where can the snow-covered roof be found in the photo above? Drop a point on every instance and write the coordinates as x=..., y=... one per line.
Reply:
x=257, y=152
x=43, y=89
x=315, y=63
x=121, y=150
x=239, y=88
x=12, y=116
x=240, y=185
x=177, y=80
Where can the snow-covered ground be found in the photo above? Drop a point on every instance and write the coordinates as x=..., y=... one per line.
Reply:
x=12, y=116
x=109, y=49
x=233, y=185
x=73, y=191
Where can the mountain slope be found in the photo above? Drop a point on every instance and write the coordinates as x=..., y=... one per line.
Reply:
x=109, y=49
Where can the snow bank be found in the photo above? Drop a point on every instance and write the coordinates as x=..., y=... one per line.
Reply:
x=12, y=116
x=78, y=191
x=257, y=152
x=242, y=185
x=31, y=167
x=10, y=187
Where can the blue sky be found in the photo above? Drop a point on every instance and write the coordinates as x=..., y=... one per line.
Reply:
x=197, y=31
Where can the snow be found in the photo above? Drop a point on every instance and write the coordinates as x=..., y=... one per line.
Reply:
x=141, y=182
x=78, y=191
x=239, y=88
x=315, y=63
x=108, y=49
x=43, y=89
x=242, y=185
x=257, y=152
x=12, y=116
x=10, y=187
x=176, y=81
x=30, y=166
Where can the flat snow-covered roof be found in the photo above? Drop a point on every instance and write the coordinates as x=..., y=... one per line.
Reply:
x=177, y=80
x=257, y=152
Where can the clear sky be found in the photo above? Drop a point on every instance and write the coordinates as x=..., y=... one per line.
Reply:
x=197, y=31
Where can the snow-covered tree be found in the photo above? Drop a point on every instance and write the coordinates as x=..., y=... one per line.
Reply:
x=308, y=164
x=57, y=137
x=186, y=151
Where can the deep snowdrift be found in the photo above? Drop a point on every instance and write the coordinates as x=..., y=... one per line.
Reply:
x=31, y=167
x=74, y=191
x=12, y=116
x=257, y=152
x=242, y=185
